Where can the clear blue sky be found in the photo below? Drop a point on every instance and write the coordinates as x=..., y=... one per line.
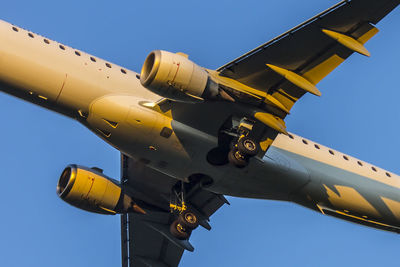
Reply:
x=357, y=114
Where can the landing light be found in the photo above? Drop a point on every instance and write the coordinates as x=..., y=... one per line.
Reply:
x=149, y=104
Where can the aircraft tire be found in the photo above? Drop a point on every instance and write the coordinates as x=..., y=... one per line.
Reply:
x=178, y=231
x=237, y=159
x=248, y=146
x=188, y=219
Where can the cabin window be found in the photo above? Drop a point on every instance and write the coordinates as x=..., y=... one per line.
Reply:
x=77, y=53
x=316, y=146
x=291, y=136
x=360, y=163
x=108, y=65
x=61, y=47
x=31, y=35
x=15, y=29
x=331, y=152
x=345, y=157
x=305, y=142
x=93, y=59
x=388, y=174
x=374, y=169
x=138, y=76
x=46, y=41
x=123, y=71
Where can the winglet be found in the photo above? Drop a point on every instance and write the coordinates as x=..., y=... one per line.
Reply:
x=348, y=42
x=296, y=79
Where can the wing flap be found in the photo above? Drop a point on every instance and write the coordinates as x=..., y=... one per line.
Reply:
x=146, y=245
x=146, y=239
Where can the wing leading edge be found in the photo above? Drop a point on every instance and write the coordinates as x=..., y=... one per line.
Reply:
x=293, y=63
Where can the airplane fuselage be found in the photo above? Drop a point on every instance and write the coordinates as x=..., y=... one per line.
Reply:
x=176, y=137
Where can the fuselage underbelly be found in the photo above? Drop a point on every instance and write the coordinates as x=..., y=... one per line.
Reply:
x=112, y=103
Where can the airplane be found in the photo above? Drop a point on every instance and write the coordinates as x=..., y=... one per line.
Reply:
x=250, y=161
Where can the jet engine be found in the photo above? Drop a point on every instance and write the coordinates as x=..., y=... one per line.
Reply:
x=90, y=190
x=175, y=77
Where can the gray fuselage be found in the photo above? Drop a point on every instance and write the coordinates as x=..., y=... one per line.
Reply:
x=111, y=102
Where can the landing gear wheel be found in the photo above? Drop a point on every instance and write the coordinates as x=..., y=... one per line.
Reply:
x=237, y=158
x=247, y=146
x=188, y=219
x=179, y=231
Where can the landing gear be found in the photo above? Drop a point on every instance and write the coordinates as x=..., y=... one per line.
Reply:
x=187, y=220
x=248, y=146
x=244, y=149
x=236, y=158
x=244, y=145
x=179, y=231
x=238, y=141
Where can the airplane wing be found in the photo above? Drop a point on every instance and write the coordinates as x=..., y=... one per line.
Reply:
x=293, y=63
x=146, y=239
x=285, y=69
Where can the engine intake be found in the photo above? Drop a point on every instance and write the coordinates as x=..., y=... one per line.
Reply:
x=90, y=190
x=175, y=77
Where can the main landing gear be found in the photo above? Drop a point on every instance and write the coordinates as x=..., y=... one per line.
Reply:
x=244, y=149
x=244, y=145
x=186, y=219
x=183, y=226
x=238, y=141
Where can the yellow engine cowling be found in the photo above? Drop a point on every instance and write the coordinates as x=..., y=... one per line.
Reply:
x=90, y=190
x=175, y=77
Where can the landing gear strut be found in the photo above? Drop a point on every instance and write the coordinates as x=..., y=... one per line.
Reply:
x=186, y=219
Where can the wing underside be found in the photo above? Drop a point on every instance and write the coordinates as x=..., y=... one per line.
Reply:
x=146, y=239
x=293, y=63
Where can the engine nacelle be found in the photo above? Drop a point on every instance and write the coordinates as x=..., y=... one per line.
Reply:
x=90, y=190
x=175, y=77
